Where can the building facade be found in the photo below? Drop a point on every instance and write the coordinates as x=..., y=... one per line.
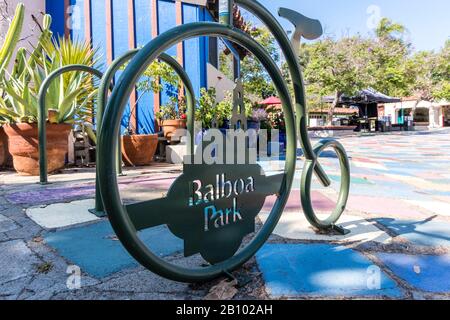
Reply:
x=423, y=113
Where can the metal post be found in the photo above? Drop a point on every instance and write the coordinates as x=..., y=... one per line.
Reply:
x=226, y=12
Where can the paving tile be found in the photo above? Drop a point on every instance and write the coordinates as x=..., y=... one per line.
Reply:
x=436, y=207
x=17, y=261
x=48, y=195
x=420, y=232
x=96, y=250
x=296, y=270
x=353, y=180
x=293, y=225
x=62, y=214
x=426, y=273
x=7, y=224
x=369, y=165
x=320, y=202
x=375, y=205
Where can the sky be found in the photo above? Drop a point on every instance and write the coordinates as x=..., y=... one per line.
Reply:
x=428, y=22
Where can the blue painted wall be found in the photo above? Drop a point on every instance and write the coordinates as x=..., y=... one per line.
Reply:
x=166, y=21
x=143, y=27
x=78, y=19
x=196, y=68
x=56, y=9
x=98, y=23
x=195, y=50
x=120, y=44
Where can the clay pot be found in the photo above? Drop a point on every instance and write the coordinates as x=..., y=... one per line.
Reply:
x=139, y=150
x=170, y=126
x=23, y=146
x=4, y=154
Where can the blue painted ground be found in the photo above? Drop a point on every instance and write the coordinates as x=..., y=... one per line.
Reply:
x=388, y=189
x=426, y=273
x=422, y=233
x=295, y=270
x=96, y=251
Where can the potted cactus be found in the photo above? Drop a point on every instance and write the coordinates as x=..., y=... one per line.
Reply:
x=67, y=98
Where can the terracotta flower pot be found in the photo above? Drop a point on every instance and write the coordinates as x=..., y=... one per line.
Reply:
x=23, y=146
x=139, y=150
x=4, y=154
x=170, y=126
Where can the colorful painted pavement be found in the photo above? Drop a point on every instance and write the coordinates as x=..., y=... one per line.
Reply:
x=398, y=214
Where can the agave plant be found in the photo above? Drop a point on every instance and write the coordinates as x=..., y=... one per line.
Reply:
x=12, y=37
x=6, y=51
x=68, y=98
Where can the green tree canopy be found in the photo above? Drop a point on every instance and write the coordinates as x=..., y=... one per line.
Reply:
x=257, y=82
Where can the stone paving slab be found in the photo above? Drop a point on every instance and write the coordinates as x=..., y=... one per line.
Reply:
x=424, y=272
x=428, y=233
x=96, y=250
x=17, y=261
x=46, y=195
x=388, y=206
x=399, y=176
x=388, y=190
x=435, y=206
x=7, y=224
x=63, y=214
x=320, y=202
x=313, y=270
x=294, y=226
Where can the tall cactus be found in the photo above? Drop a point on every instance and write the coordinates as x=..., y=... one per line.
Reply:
x=12, y=37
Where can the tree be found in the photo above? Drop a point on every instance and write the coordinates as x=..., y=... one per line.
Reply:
x=256, y=80
x=441, y=74
x=388, y=61
x=336, y=67
x=345, y=66
x=431, y=73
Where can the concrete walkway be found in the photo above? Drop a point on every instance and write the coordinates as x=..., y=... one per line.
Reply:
x=51, y=247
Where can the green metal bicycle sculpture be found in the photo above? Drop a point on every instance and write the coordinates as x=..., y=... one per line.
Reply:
x=212, y=207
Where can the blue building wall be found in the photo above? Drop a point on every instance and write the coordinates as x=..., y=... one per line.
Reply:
x=167, y=19
x=56, y=9
x=143, y=31
x=195, y=50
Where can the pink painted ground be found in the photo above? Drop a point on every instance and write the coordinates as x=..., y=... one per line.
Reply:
x=383, y=206
x=320, y=202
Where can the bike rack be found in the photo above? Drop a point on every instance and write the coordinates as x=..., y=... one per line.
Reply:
x=220, y=242
x=223, y=250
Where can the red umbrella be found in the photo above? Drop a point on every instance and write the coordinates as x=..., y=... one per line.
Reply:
x=271, y=101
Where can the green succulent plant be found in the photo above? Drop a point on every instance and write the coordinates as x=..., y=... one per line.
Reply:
x=12, y=37
x=69, y=98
